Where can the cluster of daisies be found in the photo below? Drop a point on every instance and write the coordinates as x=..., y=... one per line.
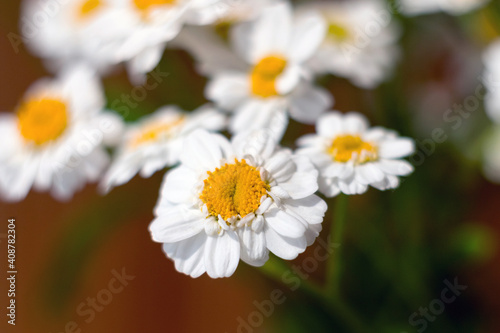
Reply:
x=222, y=200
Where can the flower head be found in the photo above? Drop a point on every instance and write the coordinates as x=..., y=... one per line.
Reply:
x=236, y=200
x=360, y=43
x=55, y=141
x=156, y=142
x=350, y=156
x=270, y=81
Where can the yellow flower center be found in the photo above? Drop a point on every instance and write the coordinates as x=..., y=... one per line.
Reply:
x=337, y=32
x=234, y=189
x=147, y=5
x=88, y=8
x=265, y=74
x=42, y=120
x=155, y=131
x=345, y=147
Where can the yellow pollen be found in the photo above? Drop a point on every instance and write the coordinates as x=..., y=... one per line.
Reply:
x=345, y=147
x=234, y=189
x=88, y=8
x=156, y=131
x=42, y=120
x=146, y=5
x=265, y=74
x=337, y=32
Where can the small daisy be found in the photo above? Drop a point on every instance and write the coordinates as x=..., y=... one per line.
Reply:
x=453, y=7
x=272, y=83
x=236, y=200
x=75, y=30
x=55, y=141
x=350, y=156
x=491, y=80
x=361, y=42
x=107, y=32
x=153, y=23
x=156, y=142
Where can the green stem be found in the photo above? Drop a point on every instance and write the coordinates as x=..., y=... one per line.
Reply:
x=334, y=268
x=275, y=269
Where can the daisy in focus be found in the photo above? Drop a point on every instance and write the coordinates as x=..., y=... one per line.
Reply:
x=236, y=200
x=56, y=139
x=452, y=7
x=156, y=142
x=361, y=42
x=491, y=80
x=350, y=156
x=272, y=82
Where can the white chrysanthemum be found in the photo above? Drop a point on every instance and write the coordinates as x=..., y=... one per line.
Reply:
x=156, y=142
x=453, y=7
x=491, y=156
x=350, y=156
x=56, y=139
x=107, y=32
x=491, y=80
x=236, y=200
x=272, y=81
x=74, y=30
x=153, y=23
x=361, y=42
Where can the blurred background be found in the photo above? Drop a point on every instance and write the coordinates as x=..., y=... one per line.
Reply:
x=442, y=224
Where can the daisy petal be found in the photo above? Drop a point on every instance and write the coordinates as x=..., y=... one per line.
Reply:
x=284, y=224
x=283, y=247
x=222, y=254
x=176, y=225
x=396, y=148
x=253, y=246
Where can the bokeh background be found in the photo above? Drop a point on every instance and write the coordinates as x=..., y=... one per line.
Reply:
x=443, y=222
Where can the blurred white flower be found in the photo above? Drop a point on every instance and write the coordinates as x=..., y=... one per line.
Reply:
x=350, y=156
x=271, y=81
x=56, y=139
x=71, y=31
x=156, y=142
x=209, y=44
x=236, y=200
x=453, y=7
x=107, y=32
x=361, y=42
x=491, y=80
x=491, y=156
x=153, y=23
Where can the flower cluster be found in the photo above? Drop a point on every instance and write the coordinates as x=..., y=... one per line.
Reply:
x=225, y=197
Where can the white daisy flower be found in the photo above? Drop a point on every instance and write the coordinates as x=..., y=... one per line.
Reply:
x=453, y=7
x=153, y=23
x=71, y=31
x=236, y=200
x=55, y=141
x=361, y=42
x=491, y=80
x=491, y=156
x=350, y=156
x=108, y=32
x=156, y=142
x=271, y=83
